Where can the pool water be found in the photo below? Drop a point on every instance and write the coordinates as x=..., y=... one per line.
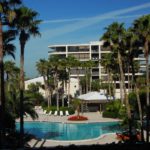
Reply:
x=69, y=131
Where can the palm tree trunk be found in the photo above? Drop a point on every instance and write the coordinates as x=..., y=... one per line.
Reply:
x=46, y=90
x=56, y=89
x=62, y=97
x=125, y=94
x=128, y=79
x=124, y=87
x=140, y=111
x=78, y=81
x=22, y=44
x=69, y=89
x=121, y=90
x=86, y=81
x=109, y=88
x=138, y=99
x=146, y=47
x=2, y=88
x=90, y=79
x=114, y=89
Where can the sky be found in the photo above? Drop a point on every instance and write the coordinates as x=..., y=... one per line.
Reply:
x=75, y=21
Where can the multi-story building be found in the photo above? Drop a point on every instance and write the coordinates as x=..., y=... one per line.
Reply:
x=94, y=51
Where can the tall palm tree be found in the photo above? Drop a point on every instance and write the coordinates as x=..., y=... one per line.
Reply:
x=142, y=29
x=115, y=37
x=43, y=68
x=87, y=65
x=6, y=15
x=8, y=46
x=26, y=25
x=107, y=62
x=132, y=46
x=56, y=65
x=69, y=63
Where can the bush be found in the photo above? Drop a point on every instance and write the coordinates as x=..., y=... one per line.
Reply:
x=108, y=114
x=114, y=109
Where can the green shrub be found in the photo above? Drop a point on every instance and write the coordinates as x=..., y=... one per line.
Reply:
x=114, y=109
x=108, y=114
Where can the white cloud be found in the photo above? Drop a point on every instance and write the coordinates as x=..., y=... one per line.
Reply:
x=85, y=22
x=82, y=19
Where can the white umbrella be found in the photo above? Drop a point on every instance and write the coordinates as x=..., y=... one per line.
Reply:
x=94, y=96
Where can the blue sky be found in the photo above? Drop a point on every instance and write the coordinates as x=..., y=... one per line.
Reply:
x=75, y=21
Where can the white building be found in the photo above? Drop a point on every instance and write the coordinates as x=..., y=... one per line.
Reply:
x=74, y=86
x=90, y=51
x=35, y=80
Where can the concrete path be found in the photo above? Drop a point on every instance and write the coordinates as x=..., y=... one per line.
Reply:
x=104, y=139
x=92, y=117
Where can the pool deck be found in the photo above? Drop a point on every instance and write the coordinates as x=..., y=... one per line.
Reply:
x=92, y=117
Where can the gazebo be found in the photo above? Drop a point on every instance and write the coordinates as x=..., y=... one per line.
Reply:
x=94, y=101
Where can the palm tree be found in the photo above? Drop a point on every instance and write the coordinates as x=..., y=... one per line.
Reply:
x=115, y=37
x=69, y=63
x=132, y=45
x=8, y=47
x=76, y=103
x=142, y=29
x=6, y=15
x=55, y=65
x=107, y=62
x=43, y=68
x=87, y=65
x=78, y=68
x=26, y=25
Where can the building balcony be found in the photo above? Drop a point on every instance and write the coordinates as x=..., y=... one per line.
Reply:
x=140, y=58
x=95, y=73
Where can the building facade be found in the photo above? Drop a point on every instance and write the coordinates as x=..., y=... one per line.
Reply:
x=94, y=51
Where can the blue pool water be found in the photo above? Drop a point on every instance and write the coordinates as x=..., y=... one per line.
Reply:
x=69, y=131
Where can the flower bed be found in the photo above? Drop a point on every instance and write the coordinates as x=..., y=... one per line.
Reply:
x=77, y=118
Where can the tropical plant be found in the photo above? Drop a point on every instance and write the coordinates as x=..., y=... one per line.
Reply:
x=69, y=62
x=95, y=85
x=87, y=66
x=115, y=36
x=76, y=103
x=26, y=25
x=55, y=66
x=6, y=15
x=43, y=68
x=142, y=29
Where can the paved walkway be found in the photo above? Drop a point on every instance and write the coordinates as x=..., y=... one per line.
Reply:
x=92, y=117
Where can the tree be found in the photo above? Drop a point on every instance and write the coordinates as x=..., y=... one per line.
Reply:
x=69, y=63
x=115, y=36
x=55, y=66
x=87, y=65
x=8, y=46
x=76, y=103
x=142, y=29
x=43, y=68
x=26, y=25
x=95, y=85
x=107, y=62
x=6, y=15
x=132, y=46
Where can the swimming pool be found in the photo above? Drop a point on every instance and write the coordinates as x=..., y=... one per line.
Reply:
x=69, y=131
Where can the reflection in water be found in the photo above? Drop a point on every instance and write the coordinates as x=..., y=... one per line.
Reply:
x=53, y=134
